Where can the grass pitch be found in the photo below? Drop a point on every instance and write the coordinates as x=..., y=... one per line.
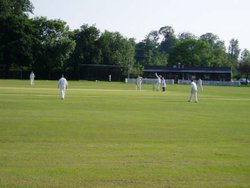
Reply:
x=109, y=135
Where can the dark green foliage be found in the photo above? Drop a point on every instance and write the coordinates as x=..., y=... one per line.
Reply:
x=53, y=48
x=49, y=48
x=192, y=53
x=17, y=42
x=16, y=7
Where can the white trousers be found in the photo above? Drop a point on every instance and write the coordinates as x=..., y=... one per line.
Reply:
x=200, y=87
x=62, y=91
x=31, y=81
x=158, y=85
x=138, y=87
x=193, y=93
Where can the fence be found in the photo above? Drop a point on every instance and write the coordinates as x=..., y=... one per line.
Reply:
x=148, y=81
x=185, y=82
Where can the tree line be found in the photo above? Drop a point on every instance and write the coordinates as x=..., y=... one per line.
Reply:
x=49, y=48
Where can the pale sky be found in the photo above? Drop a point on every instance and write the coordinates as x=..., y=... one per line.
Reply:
x=136, y=18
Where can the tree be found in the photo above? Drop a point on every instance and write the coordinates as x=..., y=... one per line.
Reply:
x=211, y=39
x=54, y=46
x=186, y=35
x=16, y=42
x=234, y=51
x=233, y=56
x=153, y=37
x=218, y=50
x=16, y=34
x=140, y=50
x=191, y=53
x=244, y=68
x=117, y=50
x=245, y=56
x=244, y=65
x=87, y=50
x=16, y=7
x=169, y=39
x=148, y=51
x=166, y=32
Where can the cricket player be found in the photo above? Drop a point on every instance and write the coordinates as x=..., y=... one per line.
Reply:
x=200, y=84
x=63, y=85
x=193, y=92
x=164, y=85
x=32, y=78
x=138, y=83
x=158, y=82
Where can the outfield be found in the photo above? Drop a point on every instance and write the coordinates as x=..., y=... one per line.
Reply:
x=109, y=135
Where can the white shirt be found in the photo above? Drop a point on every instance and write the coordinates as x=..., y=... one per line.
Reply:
x=193, y=86
x=139, y=80
x=200, y=82
x=62, y=83
x=163, y=82
x=158, y=78
x=32, y=75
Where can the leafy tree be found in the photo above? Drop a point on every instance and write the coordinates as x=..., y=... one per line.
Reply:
x=218, y=50
x=244, y=68
x=234, y=51
x=186, y=35
x=16, y=42
x=245, y=56
x=54, y=46
x=233, y=56
x=87, y=50
x=166, y=32
x=244, y=65
x=148, y=52
x=169, y=39
x=151, y=48
x=153, y=37
x=16, y=34
x=117, y=50
x=136, y=70
x=16, y=7
x=140, y=50
x=191, y=53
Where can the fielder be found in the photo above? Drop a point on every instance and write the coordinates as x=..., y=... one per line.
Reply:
x=193, y=92
x=158, y=82
x=164, y=85
x=32, y=78
x=138, y=83
x=63, y=85
x=200, y=84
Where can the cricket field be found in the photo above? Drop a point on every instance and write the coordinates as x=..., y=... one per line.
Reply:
x=107, y=134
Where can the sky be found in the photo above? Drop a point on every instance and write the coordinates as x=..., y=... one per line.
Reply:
x=228, y=19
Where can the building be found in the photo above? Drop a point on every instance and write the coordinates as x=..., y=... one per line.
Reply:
x=205, y=73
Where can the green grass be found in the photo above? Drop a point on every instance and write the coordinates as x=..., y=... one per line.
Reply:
x=108, y=135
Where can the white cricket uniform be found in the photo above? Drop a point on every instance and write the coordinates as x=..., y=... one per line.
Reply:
x=193, y=92
x=158, y=83
x=138, y=83
x=200, y=84
x=62, y=84
x=32, y=77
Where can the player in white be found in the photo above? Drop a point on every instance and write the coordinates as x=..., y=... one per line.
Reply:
x=63, y=85
x=32, y=78
x=158, y=82
x=138, y=83
x=200, y=84
x=163, y=83
x=193, y=92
